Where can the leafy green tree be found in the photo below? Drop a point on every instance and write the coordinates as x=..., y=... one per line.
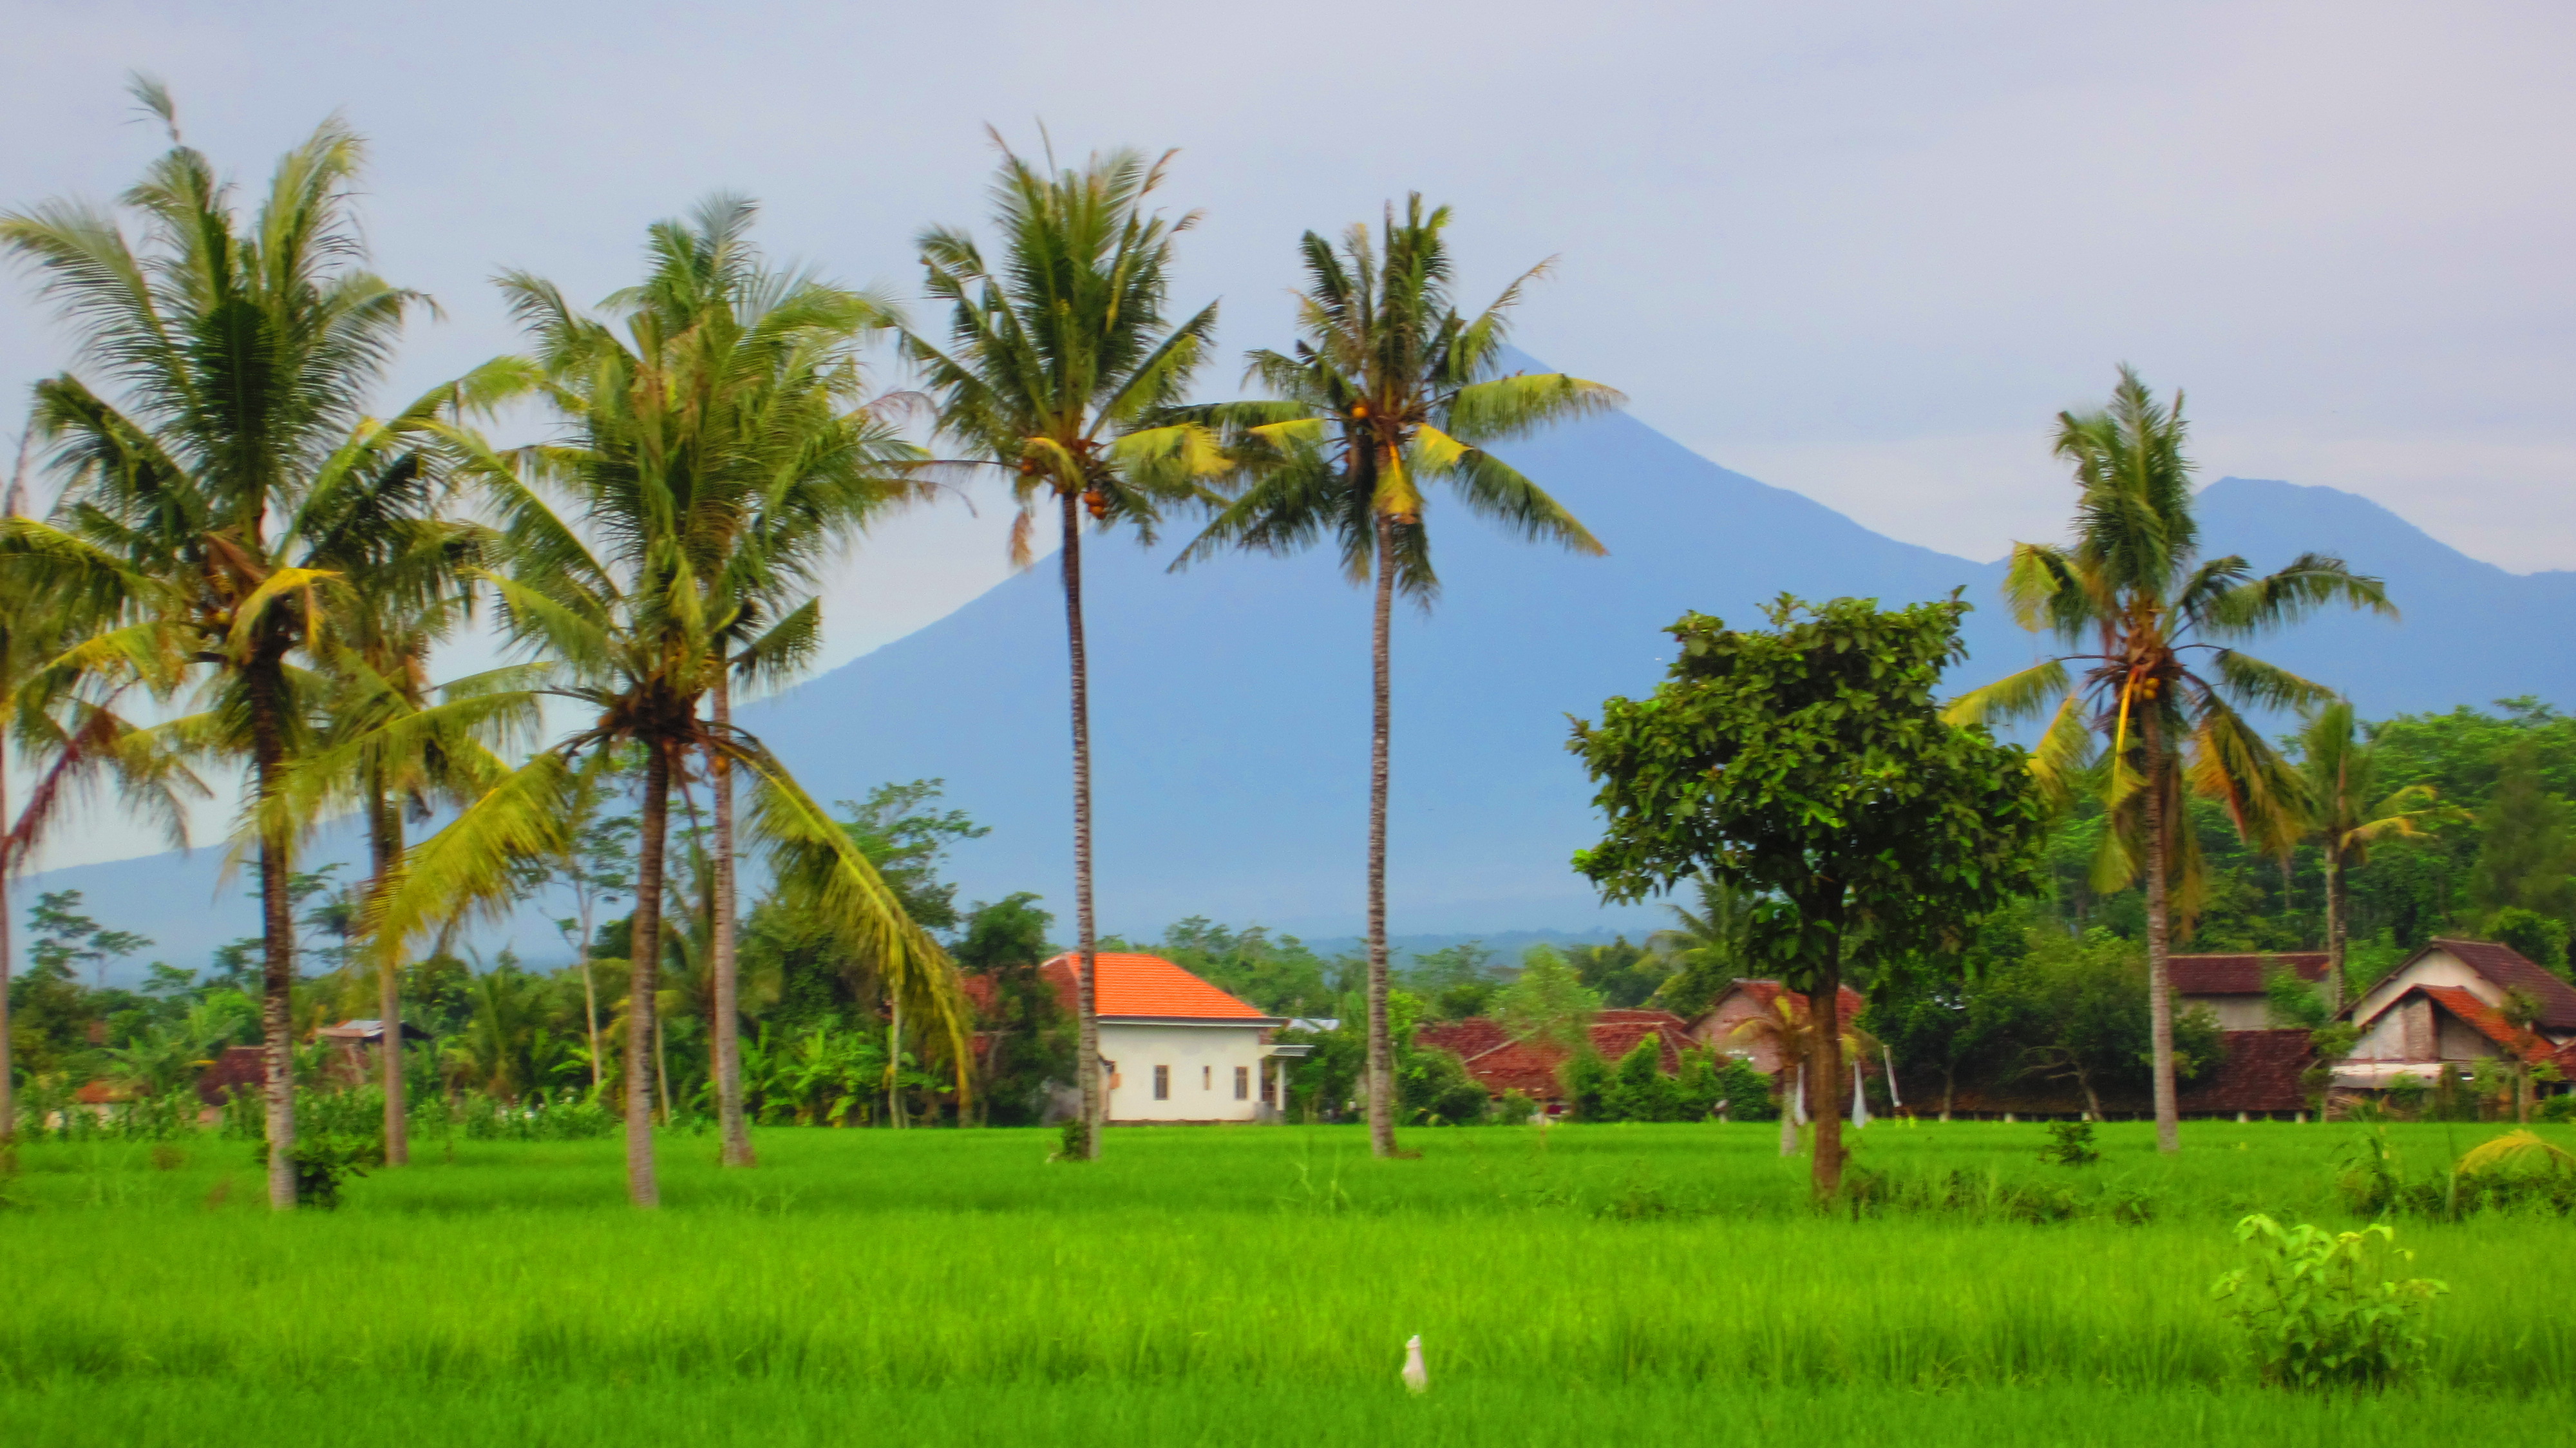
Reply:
x=2076, y=1010
x=1281, y=976
x=1388, y=390
x=2526, y=852
x=1627, y=976
x=1809, y=767
x=908, y=839
x=66, y=938
x=1456, y=979
x=2348, y=814
x=1057, y=362
x=2539, y=938
x=203, y=537
x=2133, y=587
x=1028, y=1033
x=1548, y=1003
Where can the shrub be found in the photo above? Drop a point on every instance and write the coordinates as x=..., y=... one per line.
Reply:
x=1516, y=1108
x=2406, y=1092
x=2070, y=1143
x=1745, y=1093
x=321, y=1164
x=1433, y=1088
x=2315, y=1311
x=2559, y=1108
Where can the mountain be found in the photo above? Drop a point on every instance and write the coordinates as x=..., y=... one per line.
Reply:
x=1230, y=702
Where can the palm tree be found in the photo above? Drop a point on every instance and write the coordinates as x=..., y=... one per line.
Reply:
x=1788, y=1031
x=2348, y=815
x=1707, y=946
x=1389, y=388
x=1055, y=361
x=196, y=506
x=2131, y=586
x=680, y=524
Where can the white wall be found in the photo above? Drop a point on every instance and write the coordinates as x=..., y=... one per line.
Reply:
x=1202, y=1062
x=2437, y=967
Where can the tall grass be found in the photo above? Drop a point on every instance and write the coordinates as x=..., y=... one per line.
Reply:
x=1629, y=1267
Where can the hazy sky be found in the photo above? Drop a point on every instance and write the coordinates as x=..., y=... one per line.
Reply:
x=1863, y=251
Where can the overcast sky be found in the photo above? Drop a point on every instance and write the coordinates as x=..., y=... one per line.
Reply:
x=1863, y=251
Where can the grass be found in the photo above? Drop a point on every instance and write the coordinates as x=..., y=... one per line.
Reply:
x=1216, y=1286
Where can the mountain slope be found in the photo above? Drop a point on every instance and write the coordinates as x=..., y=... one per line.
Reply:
x=1231, y=706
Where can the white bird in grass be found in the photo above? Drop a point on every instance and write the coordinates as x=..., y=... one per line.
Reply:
x=1416, y=1378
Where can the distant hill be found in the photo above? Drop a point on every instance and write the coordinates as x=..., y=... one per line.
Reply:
x=1231, y=707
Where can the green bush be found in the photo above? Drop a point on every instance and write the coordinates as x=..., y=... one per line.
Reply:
x=2070, y=1143
x=2315, y=1310
x=1516, y=1108
x=1433, y=1088
x=1745, y=1092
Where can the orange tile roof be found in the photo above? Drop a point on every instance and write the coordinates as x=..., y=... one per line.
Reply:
x=1126, y=984
x=2489, y=1021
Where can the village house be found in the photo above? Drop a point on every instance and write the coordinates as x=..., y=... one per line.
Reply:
x=1501, y=1063
x=1721, y=1027
x=1174, y=1048
x=2230, y=987
x=2442, y=1009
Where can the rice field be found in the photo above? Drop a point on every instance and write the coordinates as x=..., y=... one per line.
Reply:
x=1636, y=1284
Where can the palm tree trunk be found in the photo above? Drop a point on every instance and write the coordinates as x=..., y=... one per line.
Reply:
x=589, y=997
x=277, y=940
x=385, y=844
x=2335, y=987
x=2159, y=944
x=894, y=1062
x=1824, y=1008
x=730, y=1123
x=1086, y=1068
x=644, y=977
x=8, y=1069
x=1381, y=1049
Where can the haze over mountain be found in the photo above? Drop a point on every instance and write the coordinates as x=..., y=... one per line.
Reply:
x=1230, y=702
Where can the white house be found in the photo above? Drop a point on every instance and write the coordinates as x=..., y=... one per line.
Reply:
x=1175, y=1048
x=2441, y=1008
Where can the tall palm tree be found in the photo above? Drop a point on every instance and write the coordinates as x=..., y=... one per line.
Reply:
x=680, y=522
x=1389, y=389
x=195, y=503
x=1056, y=359
x=1707, y=946
x=2347, y=815
x=2131, y=585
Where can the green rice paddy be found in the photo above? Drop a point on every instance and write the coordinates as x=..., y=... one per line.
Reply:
x=1628, y=1284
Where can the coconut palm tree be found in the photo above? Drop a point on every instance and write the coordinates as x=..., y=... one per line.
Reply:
x=2162, y=684
x=1055, y=361
x=1707, y=946
x=2347, y=815
x=197, y=501
x=1788, y=1031
x=643, y=547
x=1388, y=390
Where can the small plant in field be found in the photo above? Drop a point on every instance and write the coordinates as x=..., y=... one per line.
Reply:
x=166, y=1157
x=2070, y=1143
x=322, y=1164
x=2316, y=1310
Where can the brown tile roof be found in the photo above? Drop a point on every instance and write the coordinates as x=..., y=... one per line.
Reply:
x=2239, y=974
x=1128, y=984
x=243, y=1068
x=1502, y=1064
x=1764, y=992
x=2488, y=1021
x=2506, y=967
x=2257, y=1071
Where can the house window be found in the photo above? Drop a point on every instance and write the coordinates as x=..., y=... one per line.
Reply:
x=1162, y=1083
x=1207, y=1078
x=1242, y=1083
x=1110, y=1069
